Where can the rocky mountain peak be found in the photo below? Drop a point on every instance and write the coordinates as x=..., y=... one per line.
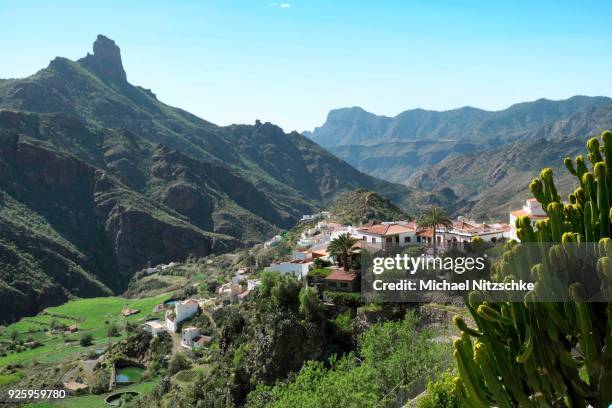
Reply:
x=106, y=59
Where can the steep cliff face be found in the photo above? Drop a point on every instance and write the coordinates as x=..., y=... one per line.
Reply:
x=69, y=229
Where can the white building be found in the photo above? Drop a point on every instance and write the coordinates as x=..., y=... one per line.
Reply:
x=154, y=327
x=228, y=292
x=272, y=241
x=252, y=284
x=301, y=255
x=299, y=268
x=187, y=336
x=182, y=310
x=388, y=234
x=463, y=230
x=533, y=209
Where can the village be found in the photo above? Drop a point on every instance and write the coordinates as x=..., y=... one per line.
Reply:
x=311, y=253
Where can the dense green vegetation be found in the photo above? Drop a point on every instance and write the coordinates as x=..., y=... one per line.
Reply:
x=390, y=359
x=360, y=206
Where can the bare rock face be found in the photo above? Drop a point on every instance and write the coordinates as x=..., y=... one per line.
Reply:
x=106, y=60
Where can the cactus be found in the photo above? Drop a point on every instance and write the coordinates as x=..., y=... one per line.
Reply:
x=548, y=354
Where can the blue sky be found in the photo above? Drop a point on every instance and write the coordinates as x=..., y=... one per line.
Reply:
x=290, y=62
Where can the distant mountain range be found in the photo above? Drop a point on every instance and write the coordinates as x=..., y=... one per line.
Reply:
x=98, y=179
x=482, y=161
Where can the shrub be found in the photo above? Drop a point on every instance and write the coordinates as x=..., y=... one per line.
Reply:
x=344, y=298
x=441, y=393
x=319, y=273
x=178, y=362
x=113, y=330
x=310, y=306
x=86, y=340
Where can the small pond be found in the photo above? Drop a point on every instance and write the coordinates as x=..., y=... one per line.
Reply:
x=128, y=375
x=120, y=398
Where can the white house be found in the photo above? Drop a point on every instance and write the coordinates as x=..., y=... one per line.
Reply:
x=182, y=310
x=187, y=336
x=252, y=284
x=352, y=231
x=299, y=268
x=305, y=242
x=229, y=291
x=301, y=255
x=533, y=209
x=154, y=327
x=388, y=234
x=463, y=230
x=272, y=241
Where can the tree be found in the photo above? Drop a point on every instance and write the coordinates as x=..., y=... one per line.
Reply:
x=286, y=291
x=178, y=362
x=13, y=335
x=434, y=218
x=269, y=279
x=310, y=305
x=341, y=249
x=113, y=330
x=86, y=340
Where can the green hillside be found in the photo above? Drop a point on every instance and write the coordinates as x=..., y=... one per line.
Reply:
x=360, y=206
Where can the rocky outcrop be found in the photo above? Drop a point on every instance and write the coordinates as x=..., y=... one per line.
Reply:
x=106, y=60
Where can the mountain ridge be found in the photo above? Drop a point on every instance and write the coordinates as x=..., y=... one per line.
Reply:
x=343, y=125
x=107, y=180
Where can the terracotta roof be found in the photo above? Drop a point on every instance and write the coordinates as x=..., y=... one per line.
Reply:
x=521, y=212
x=386, y=229
x=203, y=339
x=341, y=275
x=411, y=224
x=301, y=261
x=427, y=233
x=463, y=226
x=368, y=225
x=320, y=249
x=128, y=312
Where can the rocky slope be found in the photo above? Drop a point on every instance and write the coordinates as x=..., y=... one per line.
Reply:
x=493, y=181
x=98, y=179
x=395, y=148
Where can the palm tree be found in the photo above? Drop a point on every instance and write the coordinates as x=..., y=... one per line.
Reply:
x=341, y=248
x=433, y=218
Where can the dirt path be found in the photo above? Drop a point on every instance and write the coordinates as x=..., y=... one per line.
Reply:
x=176, y=342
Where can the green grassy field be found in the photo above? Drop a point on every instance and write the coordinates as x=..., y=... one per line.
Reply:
x=95, y=401
x=90, y=315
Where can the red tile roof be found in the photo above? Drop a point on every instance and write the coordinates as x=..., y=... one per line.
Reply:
x=341, y=275
x=520, y=213
x=386, y=229
x=427, y=233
